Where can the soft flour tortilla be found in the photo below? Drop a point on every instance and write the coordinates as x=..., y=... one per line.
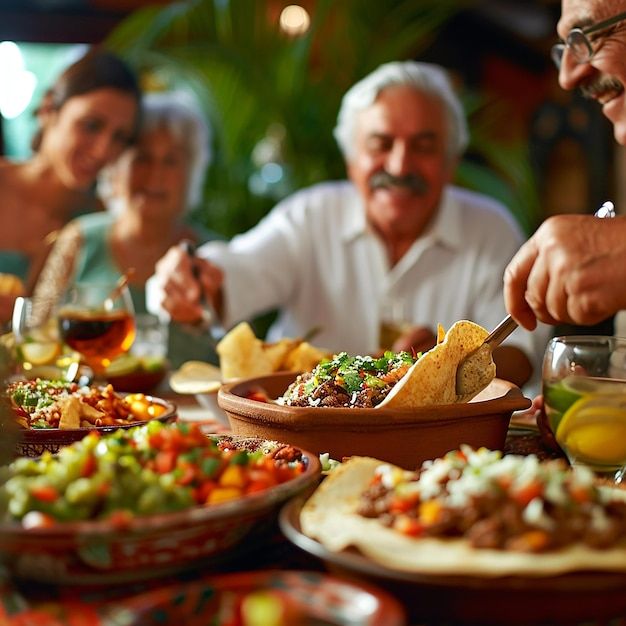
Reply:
x=432, y=379
x=330, y=517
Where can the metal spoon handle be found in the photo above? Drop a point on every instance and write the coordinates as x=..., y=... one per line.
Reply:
x=501, y=332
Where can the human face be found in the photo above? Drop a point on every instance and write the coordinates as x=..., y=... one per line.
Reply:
x=86, y=133
x=154, y=174
x=403, y=133
x=603, y=76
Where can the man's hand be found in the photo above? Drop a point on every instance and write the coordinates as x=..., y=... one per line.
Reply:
x=182, y=287
x=572, y=270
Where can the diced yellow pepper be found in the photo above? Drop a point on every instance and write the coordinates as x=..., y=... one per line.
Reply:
x=429, y=512
x=223, y=494
x=233, y=476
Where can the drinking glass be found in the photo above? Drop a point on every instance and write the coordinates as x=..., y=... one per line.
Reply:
x=40, y=350
x=97, y=320
x=584, y=390
x=393, y=322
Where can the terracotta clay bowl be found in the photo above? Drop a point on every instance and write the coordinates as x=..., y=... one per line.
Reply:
x=404, y=437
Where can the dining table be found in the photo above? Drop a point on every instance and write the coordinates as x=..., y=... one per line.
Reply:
x=29, y=603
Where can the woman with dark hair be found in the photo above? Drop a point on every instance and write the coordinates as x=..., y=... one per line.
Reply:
x=86, y=119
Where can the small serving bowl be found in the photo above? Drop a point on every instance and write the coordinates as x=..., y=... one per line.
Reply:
x=35, y=441
x=400, y=436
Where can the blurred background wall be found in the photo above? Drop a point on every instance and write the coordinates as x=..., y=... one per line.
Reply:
x=269, y=76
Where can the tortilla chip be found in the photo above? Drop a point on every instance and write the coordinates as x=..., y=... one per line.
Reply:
x=278, y=351
x=432, y=380
x=304, y=357
x=242, y=355
x=330, y=517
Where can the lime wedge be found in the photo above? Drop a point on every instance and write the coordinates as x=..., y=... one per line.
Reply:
x=560, y=397
x=123, y=364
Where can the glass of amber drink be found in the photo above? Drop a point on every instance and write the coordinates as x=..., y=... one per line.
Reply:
x=584, y=390
x=98, y=321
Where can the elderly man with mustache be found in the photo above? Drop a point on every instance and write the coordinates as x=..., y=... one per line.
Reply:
x=396, y=241
x=573, y=269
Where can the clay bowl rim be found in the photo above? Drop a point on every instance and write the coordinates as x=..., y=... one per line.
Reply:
x=194, y=517
x=40, y=435
x=231, y=399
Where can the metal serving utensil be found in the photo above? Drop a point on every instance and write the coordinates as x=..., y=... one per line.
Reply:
x=481, y=357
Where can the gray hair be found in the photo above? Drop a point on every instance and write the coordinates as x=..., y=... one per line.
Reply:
x=423, y=77
x=178, y=114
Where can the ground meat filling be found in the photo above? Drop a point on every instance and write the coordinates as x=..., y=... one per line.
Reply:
x=528, y=506
x=345, y=381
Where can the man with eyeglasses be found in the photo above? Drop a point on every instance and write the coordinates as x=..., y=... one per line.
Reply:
x=573, y=269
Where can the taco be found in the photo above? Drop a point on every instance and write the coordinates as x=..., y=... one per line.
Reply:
x=396, y=380
x=471, y=513
x=432, y=379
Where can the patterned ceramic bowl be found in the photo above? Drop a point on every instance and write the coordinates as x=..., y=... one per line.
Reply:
x=305, y=597
x=96, y=552
x=34, y=442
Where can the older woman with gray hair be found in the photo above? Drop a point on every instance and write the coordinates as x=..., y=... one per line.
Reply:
x=397, y=247
x=148, y=192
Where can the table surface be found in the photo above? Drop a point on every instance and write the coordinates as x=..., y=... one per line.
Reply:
x=33, y=604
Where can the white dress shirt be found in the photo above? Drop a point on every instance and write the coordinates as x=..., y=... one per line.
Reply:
x=315, y=258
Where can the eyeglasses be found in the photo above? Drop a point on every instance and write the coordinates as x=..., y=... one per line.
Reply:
x=578, y=43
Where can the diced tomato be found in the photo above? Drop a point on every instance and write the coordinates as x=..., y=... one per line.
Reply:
x=155, y=440
x=259, y=485
x=89, y=467
x=202, y=493
x=527, y=493
x=580, y=494
x=165, y=461
x=188, y=473
x=44, y=493
x=402, y=505
x=408, y=526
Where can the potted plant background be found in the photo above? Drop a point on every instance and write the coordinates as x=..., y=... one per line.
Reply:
x=272, y=99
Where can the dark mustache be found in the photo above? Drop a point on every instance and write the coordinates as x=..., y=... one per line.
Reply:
x=600, y=85
x=414, y=182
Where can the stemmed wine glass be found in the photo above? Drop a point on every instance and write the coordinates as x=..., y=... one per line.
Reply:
x=98, y=321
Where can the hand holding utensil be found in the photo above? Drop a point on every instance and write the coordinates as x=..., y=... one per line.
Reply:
x=210, y=321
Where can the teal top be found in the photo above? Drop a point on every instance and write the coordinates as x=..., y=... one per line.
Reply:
x=14, y=262
x=95, y=264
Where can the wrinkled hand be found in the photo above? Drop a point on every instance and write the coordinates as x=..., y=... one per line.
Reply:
x=418, y=338
x=181, y=291
x=572, y=270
